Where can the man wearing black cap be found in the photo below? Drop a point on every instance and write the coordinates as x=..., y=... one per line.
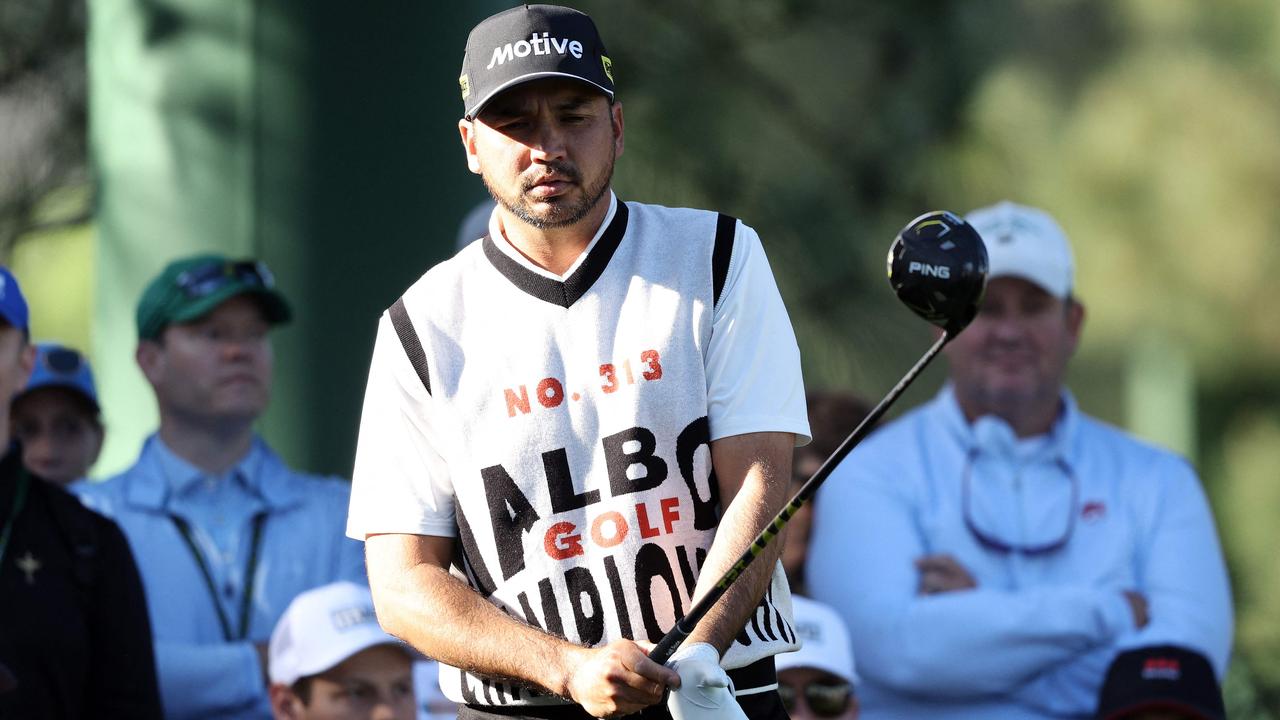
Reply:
x=1161, y=682
x=554, y=400
x=225, y=534
x=74, y=636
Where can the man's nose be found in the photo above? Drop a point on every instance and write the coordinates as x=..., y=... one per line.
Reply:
x=383, y=710
x=548, y=143
x=38, y=445
x=1006, y=326
x=237, y=348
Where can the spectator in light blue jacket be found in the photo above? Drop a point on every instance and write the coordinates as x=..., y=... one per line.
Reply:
x=225, y=534
x=995, y=549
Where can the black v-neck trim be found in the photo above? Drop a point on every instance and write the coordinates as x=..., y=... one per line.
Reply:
x=564, y=293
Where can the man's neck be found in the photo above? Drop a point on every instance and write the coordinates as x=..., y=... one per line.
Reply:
x=214, y=450
x=1027, y=419
x=553, y=249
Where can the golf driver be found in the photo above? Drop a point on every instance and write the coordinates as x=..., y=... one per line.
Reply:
x=938, y=269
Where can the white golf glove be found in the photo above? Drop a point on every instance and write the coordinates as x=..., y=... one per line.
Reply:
x=704, y=692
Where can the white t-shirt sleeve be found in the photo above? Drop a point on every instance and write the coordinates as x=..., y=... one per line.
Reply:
x=401, y=483
x=753, y=362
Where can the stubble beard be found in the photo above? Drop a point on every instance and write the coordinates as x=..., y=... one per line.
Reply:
x=564, y=211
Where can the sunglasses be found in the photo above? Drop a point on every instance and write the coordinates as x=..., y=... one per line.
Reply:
x=825, y=699
x=992, y=542
x=62, y=361
x=209, y=278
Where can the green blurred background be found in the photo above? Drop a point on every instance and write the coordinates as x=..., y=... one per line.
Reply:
x=321, y=136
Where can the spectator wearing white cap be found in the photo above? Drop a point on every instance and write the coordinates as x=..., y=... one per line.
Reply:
x=330, y=660
x=817, y=681
x=57, y=418
x=995, y=549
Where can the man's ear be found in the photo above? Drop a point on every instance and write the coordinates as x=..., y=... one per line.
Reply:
x=1075, y=322
x=150, y=359
x=615, y=117
x=467, y=132
x=285, y=703
x=26, y=363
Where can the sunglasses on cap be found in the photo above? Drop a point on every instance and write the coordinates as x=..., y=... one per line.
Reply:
x=825, y=699
x=209, y=278
x=62, y=361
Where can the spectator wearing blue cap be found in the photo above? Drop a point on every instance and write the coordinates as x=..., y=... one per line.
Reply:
x=225, y=534
x=57, y=418
x=74, y=633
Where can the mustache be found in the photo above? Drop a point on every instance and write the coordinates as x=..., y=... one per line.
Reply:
x=553, y=170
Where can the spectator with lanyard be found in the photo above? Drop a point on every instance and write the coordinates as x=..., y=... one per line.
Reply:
x=75, y=641
x=994, y=550
x=225, y=533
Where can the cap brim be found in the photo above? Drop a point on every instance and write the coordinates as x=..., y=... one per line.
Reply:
x=70, y=387
x=1174, y=705
x=1062, y=293
x=274, y=307
x=529, y=77
x=339, y=653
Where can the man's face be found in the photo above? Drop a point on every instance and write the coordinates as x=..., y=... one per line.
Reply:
x=545, y=150
x=60, y=436
x=813, y=694
x=17, y=358
x=374, y=684
x=216, y=368
x=1013, y=356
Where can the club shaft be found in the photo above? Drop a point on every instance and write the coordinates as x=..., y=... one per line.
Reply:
x=685, y=625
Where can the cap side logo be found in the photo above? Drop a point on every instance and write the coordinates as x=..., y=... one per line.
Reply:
x=465, y=84
x=346, y=618
x=1161, y=668
x=608, y=67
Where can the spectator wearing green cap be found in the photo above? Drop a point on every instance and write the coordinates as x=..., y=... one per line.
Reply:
x=225, y=534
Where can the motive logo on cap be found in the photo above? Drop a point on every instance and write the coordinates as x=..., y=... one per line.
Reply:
x=545, y=45
x=531, y=42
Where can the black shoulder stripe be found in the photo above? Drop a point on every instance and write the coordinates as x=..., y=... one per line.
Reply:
x=722, y=253
x=409, y=339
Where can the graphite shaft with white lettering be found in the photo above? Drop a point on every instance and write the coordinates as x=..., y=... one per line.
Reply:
x=674, y=637
x=937, y=268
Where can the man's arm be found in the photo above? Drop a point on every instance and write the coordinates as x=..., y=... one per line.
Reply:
x=125, y=686
x=752, y=474
x=1180, y=570
x=967, y=643
x=420, y=602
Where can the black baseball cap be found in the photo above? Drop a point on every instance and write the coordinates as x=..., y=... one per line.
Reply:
x=530, y=42
x=1161, y=677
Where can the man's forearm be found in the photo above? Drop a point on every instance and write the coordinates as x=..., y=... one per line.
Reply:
x=421, y=603
x=754, y=475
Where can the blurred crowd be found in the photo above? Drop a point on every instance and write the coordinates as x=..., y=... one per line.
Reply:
x=993, y=553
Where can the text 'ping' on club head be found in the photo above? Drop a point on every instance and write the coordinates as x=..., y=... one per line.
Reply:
x=938, y=268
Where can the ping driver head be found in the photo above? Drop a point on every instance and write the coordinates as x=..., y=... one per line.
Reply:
x=938, y=268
